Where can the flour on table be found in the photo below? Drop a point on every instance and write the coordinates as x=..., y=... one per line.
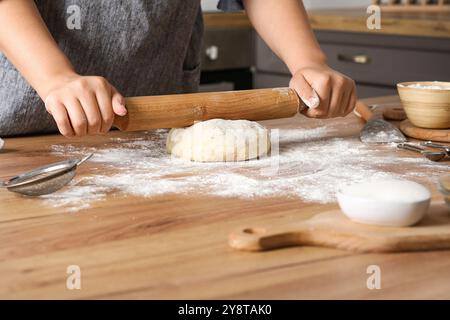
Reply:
x=312, y=164
x=2, y=143
x=76, y=197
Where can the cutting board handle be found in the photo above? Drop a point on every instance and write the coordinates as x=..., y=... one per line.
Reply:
x=306, y=233
x=333, y=230
x=261, y=239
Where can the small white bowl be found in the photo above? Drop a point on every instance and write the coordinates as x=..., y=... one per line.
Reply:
x=394, y=203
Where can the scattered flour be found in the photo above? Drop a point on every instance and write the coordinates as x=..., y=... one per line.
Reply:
x=77, y=197
x=312, y=165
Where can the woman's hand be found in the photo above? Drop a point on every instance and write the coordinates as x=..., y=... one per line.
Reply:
x=84, y=105
x=80, y=105
x=326, y=92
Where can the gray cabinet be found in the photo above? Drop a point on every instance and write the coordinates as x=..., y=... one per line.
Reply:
x=227, y=59
x=376, y=62
x=225, y=49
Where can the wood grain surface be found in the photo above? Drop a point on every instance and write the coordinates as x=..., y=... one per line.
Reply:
x=354, y=20
x=175, y=246
x=398, y=23
x=183, y=110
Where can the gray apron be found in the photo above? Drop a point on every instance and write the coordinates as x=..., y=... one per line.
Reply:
x=143, y=47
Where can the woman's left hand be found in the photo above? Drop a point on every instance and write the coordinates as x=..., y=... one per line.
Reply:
x=326, y=92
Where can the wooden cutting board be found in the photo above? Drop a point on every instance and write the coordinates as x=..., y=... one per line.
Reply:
x=394, y=113
x=332, y=229
x=438, y=135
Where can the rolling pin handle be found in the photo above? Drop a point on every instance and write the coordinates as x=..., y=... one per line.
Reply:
x=301, y=106
x=363, y=111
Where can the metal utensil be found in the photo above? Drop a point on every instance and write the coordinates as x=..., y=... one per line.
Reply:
x=444, y=188
x=431, y=155
x=435, y=145
x=46, y=179
x=444, y=184
x=377, y=130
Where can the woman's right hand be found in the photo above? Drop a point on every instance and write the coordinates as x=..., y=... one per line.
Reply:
x=84, y=105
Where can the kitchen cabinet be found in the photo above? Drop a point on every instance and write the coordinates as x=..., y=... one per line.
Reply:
x=227, y=53
x=376, y=62
x=408, y=47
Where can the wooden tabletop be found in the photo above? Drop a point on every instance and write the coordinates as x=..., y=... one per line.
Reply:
x=175, y=246
x=433, y=24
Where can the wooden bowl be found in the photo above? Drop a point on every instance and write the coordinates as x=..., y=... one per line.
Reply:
x=426, y=107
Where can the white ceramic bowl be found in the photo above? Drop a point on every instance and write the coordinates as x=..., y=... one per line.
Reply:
x=394, y=203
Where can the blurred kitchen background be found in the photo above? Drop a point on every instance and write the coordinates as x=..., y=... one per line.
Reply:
x=413, y=45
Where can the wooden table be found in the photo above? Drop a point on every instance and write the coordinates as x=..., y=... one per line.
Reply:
x=176, y=246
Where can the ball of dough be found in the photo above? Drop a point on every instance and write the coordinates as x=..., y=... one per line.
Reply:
x=219, y=140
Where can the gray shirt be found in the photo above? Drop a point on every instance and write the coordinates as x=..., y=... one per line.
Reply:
x=143, y=47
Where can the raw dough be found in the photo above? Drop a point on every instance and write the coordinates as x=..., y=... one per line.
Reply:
x=219, y=140
x=1, y=144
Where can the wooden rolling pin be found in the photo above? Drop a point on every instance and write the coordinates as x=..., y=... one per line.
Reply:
x=182, y=110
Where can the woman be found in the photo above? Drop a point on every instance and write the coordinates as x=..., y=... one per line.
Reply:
x=69, y=63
